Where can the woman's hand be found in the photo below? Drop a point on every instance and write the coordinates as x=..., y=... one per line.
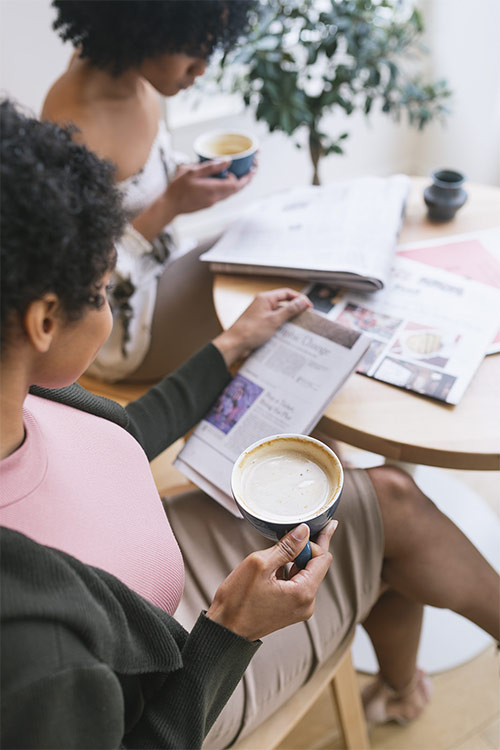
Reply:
x=192, y=188
x=256, y=599
x=262, y=318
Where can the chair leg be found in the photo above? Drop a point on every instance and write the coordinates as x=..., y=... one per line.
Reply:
x=347, y=698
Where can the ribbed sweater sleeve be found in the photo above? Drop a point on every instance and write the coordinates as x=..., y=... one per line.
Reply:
x=172, y=407
x=213, y=662
x=88, y=663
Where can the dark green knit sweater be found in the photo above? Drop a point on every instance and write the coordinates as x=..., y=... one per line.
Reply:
x=86, y=662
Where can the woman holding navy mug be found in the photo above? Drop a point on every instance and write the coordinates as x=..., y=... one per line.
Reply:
x=126, y=53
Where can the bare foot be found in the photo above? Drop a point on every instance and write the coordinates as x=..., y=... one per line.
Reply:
x=382, y=704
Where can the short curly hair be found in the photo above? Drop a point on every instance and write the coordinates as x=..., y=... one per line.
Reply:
x=120, y=34
x=60, y=215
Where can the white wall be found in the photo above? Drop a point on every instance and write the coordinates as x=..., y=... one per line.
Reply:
x=462, y=35
x=31, y=54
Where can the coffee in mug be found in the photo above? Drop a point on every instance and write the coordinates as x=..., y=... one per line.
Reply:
x=227, y=144
x=284, y=480
x=219, y=144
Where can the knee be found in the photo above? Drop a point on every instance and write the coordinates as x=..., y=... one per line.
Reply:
x=396, y=492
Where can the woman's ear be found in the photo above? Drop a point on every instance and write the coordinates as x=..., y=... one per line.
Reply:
x=41, y=321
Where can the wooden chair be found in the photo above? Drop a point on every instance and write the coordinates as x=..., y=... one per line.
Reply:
x=120, y=392
x=338, y=673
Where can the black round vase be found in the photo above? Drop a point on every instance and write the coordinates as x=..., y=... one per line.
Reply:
x=446, y=194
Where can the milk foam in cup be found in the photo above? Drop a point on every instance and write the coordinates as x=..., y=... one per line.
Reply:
x=240, y=147
x=284, y=480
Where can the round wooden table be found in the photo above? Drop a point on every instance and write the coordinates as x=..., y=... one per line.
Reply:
x=405, y=427
x=390, y=421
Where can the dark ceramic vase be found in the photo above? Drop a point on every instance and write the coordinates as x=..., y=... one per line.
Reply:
x=446, y=195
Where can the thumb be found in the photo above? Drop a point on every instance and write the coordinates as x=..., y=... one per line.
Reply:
x=290, y=546
x=293, y=307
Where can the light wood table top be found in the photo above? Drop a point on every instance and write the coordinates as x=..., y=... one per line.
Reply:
x=395, y=423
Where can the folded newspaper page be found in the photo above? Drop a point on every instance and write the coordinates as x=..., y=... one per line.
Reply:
x=284, y=386
x=475, y=255
x=342, y=232
x=429, y=329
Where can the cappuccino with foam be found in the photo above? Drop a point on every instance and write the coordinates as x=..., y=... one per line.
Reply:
x=287, y=478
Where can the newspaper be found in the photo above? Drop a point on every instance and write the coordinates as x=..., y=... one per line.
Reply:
x=475, y=255
x=284, y=386
x=343, y=233
x=429, y=328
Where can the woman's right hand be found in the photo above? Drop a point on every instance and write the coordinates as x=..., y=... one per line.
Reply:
x=192, y=188
x=256, y=599
x=261, y=319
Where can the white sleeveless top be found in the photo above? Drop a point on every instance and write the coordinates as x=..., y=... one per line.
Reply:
x=139, y=265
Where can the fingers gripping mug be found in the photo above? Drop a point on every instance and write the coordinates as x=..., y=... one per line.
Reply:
x=240, y=147
x=284, y=480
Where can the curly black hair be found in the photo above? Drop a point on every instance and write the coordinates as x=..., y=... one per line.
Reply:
x=120, y=34
x=60, y=215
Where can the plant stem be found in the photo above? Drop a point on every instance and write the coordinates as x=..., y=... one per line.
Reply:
x=315, y=151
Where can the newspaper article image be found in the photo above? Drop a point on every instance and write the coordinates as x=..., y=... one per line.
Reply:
x=323, y=297
x=233, y=402
x=415, y=377
x=368, y=321
x=428, y=344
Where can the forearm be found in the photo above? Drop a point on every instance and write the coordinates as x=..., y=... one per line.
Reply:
x=150, y=222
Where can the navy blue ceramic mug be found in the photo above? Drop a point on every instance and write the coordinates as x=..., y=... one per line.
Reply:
x=240, y=147
x=284, y=480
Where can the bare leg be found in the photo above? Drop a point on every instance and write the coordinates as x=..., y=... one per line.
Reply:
x=394, y=626
x=428, y=559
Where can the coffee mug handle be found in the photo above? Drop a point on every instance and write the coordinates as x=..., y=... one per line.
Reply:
x=303, y=558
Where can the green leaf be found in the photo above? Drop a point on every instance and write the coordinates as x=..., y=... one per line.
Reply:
x=294, y=42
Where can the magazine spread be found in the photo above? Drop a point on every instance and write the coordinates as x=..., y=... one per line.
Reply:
x=475, y=255
x=343, y=233
x=429, y=328
x=284, y=386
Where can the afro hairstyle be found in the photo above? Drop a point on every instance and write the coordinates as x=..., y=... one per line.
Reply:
x=60, y=215
x=116, y=35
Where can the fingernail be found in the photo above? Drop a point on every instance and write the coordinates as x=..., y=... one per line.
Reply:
x=332, y=525
x=300, y=532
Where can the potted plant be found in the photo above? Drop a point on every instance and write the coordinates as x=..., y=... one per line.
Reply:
x=304, y=59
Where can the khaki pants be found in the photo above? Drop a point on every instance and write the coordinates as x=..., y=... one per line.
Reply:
x=213, y=542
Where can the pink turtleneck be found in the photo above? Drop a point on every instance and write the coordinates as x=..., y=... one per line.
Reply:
x=83, y=485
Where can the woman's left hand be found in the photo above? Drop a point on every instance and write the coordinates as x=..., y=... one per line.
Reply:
x=262, y=318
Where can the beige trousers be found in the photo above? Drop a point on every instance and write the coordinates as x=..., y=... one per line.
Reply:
x=213, y=542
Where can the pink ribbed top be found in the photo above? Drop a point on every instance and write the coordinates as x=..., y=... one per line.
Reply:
x=83, y=485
